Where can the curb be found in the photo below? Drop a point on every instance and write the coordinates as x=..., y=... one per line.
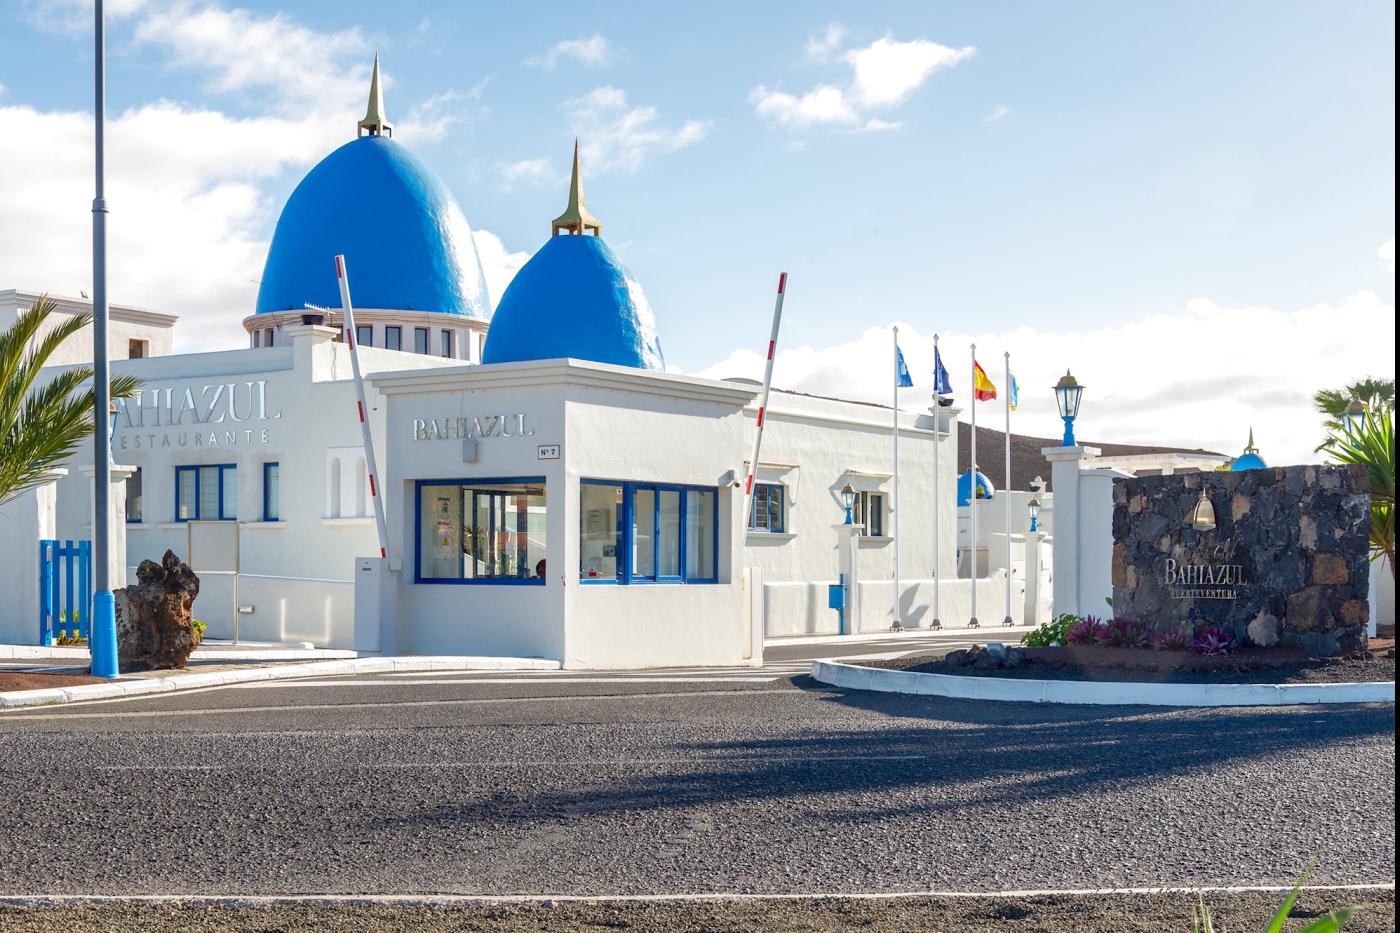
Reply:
x=350, y=666
x=1096, y=693
x=914, y=634
x=209, y=653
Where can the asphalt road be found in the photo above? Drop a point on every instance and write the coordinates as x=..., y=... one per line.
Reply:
x=699, y=781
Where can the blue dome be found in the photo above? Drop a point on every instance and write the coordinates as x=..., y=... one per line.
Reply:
x=574, y=298
x=404, y=238
x=984, y=487
x=1248, y=461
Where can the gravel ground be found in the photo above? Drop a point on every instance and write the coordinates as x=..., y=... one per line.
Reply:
x=1318, y=671
x=1050, y=913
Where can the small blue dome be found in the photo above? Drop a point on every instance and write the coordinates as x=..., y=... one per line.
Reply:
x=1248, y=461
x=984, y=487
x=405, y=240
x=576, y=299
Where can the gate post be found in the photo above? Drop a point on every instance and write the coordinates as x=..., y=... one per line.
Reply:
x=25, y=521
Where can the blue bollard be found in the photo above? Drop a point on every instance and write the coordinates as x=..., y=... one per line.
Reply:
x=102, y=635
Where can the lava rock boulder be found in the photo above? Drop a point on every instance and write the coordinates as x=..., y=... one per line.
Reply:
x=154, y=630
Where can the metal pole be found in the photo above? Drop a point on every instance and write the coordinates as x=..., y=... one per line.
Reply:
x=343, y=275
x=898, y=622
x=750, y=488
x=1006, y=493
x=102, y=637
x=937, y=442
x=972, y=498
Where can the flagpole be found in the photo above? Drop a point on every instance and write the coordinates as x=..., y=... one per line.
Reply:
x=972, y=499
x=1006, y=499
x=898, y=624
x=937, y=442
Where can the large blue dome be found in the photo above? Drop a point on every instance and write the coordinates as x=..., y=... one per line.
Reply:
x=405, y=240
x=574, y=298
x=984, y=488
x=1248, y=461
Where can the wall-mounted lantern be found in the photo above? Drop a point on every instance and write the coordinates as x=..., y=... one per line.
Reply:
x=1035, y=512
x=1203, y=515
x=848, y=500
x=1067, y=394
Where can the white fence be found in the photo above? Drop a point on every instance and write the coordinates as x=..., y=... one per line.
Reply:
x=801, y=608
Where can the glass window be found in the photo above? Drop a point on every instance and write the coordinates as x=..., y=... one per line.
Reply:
x=133, y=496
x=206, y=493
x=364, y=335
x=272, y=492
x=600, y=531
x=870, y=511
x=445, y=343
x=767, y=512
x=644, y=533
x=489, y=531
x=668, y=532
x=268, y=341
x=393, y=338
x=420, y=340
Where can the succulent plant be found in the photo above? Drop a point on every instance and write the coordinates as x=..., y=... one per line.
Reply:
x=1123, y=632
x=1084, y=632
x=1178, y=638
x=1213, y=641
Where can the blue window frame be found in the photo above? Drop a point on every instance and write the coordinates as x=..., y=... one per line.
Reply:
x=364, y=335
x=768, y=513
x=480, y=531
x=206, y=493
x=272, y=492
x=647, y=533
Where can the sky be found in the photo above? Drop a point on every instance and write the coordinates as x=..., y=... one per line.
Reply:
x=1191, y=206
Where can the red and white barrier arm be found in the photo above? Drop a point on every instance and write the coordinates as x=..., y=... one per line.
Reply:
x=749, y=485
x=342, y=275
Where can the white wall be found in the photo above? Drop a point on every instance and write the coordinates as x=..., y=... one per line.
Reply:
x=125, y=323
x=800, y=608
x=24, y=522
x=1096, y=539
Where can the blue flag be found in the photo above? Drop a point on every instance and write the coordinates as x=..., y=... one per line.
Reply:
x=941, y=383
x=902, y=378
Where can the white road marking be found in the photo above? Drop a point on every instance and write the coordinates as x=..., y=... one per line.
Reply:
x=505, y=680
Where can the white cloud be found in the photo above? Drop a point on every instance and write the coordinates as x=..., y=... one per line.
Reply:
x=430, y=120
x=532, y=171
x=996, y=114
x=498, y=263
x=1147, y=381
x=593, y=52
x=614, y=135
x=885, y=73
x=1386, y=254
x=819, y=50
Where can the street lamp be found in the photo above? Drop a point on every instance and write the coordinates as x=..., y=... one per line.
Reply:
x=848, y=501
x=1067, y=393
x=1354, y=417
x=1035, y=512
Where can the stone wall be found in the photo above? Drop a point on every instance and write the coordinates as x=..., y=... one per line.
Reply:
x=1285, y=565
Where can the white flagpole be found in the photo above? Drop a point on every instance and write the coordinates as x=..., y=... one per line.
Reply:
x=898, y=624
x=1006, y=498
x=937, y=442
x=972, y=499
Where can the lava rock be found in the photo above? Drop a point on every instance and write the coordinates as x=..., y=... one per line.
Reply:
x=154, y=630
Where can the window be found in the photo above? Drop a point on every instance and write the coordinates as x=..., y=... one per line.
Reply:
x=393, y=338
x=268, y=341
x=482, y=531
x=420, y=340
x=133, y=497
x=644, y=533
x=136, y=349
x=870, y=504
x=272, y=492
x=206, y=493
x=364, y=335
x=257, y=339
x=480, y=346
x=767, y=513
x=445, y=343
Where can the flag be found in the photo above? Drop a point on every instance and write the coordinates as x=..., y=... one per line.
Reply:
x=941, y=383
x=1015, y=392
x=982, y=388
x=902, y=379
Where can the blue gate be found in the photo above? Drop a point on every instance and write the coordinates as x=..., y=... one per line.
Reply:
x=65, y=590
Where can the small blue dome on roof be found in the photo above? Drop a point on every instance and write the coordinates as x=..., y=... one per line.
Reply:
x=1250, y=459
x=406, y=243
x=984, y=488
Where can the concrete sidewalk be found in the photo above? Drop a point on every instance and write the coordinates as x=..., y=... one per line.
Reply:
x=154, y=682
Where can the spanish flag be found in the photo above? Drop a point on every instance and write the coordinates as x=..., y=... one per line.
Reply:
x=982, y=388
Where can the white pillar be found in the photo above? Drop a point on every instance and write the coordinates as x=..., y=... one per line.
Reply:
x=1030, y=615
x=848, y=566
x=116, y=559
x=1065, y=463
x=24, y=521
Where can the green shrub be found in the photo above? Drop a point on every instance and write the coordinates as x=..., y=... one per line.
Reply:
x=198, y=627
x=1051, y=633
x=1201, y=920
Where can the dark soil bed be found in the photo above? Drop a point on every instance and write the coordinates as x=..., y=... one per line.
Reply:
x=1245, y=666
x=37, y=680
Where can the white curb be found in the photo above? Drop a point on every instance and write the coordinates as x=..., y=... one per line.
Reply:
x=1096, y=693
x=348, y=666
x=913, y=634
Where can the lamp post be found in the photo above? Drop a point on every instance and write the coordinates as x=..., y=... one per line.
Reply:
x=848, y=500
x=1035, y=512
x=1037, y=484
x=1067, y=393
x=1354, y=416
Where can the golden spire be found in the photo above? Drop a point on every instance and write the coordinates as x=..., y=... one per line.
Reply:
x=1251, y=449
x=576, y=218
x=374, y=114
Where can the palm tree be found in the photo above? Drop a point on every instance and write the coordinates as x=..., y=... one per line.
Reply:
x=1332, y=402
x=1373, y=443
x=41, y=427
